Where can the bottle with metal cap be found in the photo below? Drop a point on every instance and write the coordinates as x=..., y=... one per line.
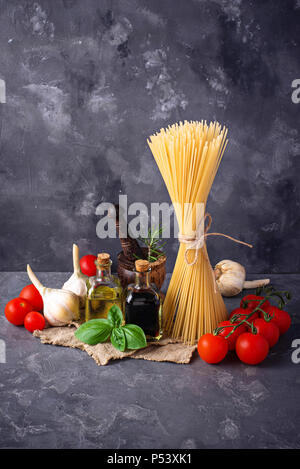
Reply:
x=104, y=291
x=143, y=305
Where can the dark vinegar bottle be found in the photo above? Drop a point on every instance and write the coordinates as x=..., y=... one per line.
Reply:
x=143, y=305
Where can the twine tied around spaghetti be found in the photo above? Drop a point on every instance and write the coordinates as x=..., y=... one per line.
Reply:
x=197, y=242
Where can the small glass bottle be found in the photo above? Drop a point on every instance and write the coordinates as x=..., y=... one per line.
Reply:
x=143, y=305
x=104, y=291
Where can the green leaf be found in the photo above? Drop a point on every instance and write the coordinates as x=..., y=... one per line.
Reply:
x=162, y=244
x=152, y=259
x=115, y=316
x=118, y=339
x=155, y=251
x=135, y=336
x=94, y=331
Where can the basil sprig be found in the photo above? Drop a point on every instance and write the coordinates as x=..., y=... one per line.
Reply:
x=125, y=337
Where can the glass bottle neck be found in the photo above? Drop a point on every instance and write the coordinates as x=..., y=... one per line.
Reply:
x=103, y=272
x=142, y=279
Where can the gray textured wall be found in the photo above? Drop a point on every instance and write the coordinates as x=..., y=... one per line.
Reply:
x=87, y=83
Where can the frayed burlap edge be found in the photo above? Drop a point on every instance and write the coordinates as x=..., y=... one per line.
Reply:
x=166, y=350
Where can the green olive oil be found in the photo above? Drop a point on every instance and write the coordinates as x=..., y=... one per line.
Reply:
x=104, y=290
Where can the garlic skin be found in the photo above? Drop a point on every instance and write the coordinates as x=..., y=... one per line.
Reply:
x=77, y=281
x=60, y=306
x=231, y=278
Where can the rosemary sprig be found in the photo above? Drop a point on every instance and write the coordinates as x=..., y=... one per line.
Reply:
x=154, y=244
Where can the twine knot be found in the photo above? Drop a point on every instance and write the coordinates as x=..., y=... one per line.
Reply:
x=196, y=242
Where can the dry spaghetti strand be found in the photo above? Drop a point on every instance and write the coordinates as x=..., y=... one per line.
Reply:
x=188, y=156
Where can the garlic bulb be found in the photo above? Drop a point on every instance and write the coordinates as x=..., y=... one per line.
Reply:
x=77, y=281
x=60, y=306
x=230, y=278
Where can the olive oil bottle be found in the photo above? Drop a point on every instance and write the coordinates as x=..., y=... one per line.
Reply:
x=143, y=304
x=104, y=291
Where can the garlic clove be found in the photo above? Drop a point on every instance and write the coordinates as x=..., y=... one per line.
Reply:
x=60, y=306
x=77, y=281
x=76, y=286
x=230, y=277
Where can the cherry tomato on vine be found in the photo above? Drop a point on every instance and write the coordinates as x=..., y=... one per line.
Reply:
x=34, y=321
x=88, y=266
x=243, y=313
x=16, y=310
x=253, y=301
x=281, y=318
x=212, y=348
x=231, y=340
x=269, y=330
x=31, y=294
x=251, y=348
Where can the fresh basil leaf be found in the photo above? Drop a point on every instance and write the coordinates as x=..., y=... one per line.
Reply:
x=118, y=339
x=135, y=336
x=94, y=331
x=115, y=316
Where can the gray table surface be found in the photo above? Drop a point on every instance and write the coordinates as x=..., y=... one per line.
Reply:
x=55, y=397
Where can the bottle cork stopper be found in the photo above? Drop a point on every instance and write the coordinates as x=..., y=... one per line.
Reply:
x=141, y=265
x=103, y=258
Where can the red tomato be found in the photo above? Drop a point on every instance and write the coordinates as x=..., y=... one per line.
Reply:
x=88, y=266
x=31, y=294
x=212, y=348
x=33, y=321
x=268, y=329
x=243, y=312
x=16, y=310
x=251, y=348
x=233, y=337
x=281, y=318
x=254, y=301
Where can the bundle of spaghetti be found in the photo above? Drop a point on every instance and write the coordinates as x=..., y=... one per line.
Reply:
x=188, y=156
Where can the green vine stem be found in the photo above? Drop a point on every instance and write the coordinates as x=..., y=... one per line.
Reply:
x=269, y=291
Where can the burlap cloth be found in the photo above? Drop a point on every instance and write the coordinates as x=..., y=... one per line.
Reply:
x=166, y=350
